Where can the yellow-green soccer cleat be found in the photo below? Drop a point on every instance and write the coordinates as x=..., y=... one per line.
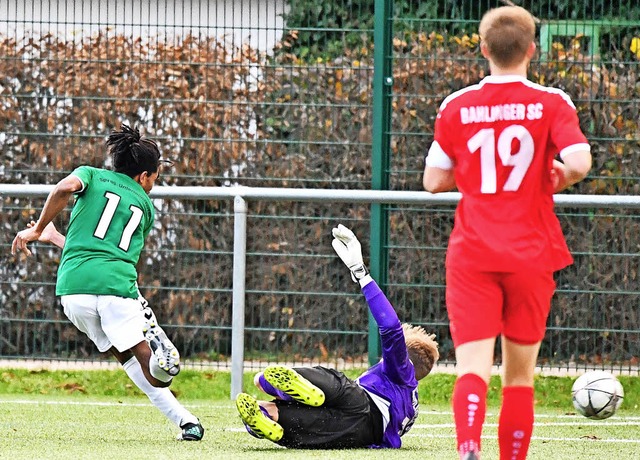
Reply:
x=261, y=426
x=295, y=385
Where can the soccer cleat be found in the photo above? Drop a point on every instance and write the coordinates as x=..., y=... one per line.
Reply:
x=165, y=352
x=191, y=432
x=259, y=424
x=471, y=456
x=250, y=431
x=295, y=385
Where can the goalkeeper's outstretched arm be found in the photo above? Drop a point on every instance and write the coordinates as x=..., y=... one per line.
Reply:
x=348, y=248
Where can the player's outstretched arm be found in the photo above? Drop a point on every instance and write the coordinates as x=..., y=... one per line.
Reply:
x=50, y=234
x=349, y=250
x=56, y=202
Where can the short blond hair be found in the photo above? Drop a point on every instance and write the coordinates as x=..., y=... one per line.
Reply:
x=507, y=31
x=422, y=348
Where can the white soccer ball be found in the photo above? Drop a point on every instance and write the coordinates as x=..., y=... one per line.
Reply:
x=597, y=394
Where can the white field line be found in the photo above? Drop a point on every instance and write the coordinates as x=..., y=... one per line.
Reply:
x=537, y=416
x=536, y=438
x=629, y=420
x=452, y=436
x=495, y=425
x=100, y=403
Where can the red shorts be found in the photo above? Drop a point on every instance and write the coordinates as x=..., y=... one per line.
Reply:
x=482, y=305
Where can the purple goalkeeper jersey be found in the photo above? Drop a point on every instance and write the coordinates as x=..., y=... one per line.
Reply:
x=391, y=383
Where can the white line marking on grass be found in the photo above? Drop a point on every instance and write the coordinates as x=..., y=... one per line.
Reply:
x=578, y=421
x=578, y=417
x=537, y=416
x=585, y=438
x=541, y=424
x=102, y=403
x=537, y=438
x=75, y=403
x=594, y=423
x=235, y=430
x=452, y=436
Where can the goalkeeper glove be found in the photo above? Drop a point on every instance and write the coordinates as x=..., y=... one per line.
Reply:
x=349, y=250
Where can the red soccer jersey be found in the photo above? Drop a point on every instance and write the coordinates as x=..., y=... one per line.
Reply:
x=501, y=137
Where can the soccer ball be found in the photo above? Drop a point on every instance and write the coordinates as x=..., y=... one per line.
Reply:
x=597, y=394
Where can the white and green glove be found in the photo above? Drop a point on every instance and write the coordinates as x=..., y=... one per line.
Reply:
x=349, y=250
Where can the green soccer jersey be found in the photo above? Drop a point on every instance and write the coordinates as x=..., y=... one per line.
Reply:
x=110, y=220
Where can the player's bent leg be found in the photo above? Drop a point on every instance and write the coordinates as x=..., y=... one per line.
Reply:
x=295, y=385
x=123, y=321
x=156, y=377
x=259, y=424
x=261, y=383
x=166, y=357
x=164, y=400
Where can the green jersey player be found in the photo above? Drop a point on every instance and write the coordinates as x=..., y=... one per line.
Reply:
x=110, y=220
x=108, y=226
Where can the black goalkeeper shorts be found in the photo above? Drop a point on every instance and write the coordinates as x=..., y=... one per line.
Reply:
x=347, y=419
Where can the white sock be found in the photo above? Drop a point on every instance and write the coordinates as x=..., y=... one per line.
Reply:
x=162, y=398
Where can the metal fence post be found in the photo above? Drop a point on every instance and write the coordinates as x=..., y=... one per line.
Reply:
x=238, y=302
x=382, y=86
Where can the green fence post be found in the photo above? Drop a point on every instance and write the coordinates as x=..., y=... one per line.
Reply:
x=382, y=86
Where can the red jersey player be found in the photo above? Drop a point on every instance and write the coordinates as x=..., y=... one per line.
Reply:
x=496, y=142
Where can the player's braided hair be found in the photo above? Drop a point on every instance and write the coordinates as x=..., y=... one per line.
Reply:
x=132, y=154
x=422, y=348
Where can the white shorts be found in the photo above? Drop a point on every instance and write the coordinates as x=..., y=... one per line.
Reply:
x=106, y=319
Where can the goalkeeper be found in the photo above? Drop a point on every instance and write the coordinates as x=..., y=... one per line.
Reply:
x=320, y=408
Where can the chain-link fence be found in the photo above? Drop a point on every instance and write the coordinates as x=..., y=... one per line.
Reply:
x=281, y=94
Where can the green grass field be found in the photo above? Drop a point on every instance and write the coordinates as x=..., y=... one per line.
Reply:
x=99, y=415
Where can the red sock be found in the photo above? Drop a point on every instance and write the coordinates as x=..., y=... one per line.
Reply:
x=469, y=407
x=516, y=422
